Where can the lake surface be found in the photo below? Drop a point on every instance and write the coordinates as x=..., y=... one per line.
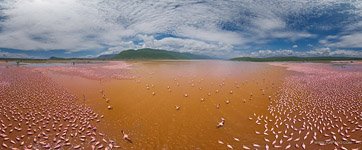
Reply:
x=207, y=104
x=145, y=105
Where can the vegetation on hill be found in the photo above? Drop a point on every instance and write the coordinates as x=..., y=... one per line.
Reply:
x=148, y=53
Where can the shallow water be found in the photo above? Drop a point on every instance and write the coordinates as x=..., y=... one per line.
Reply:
x=178, y=105
x=153, y=122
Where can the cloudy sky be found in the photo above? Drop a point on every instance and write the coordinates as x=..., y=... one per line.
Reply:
x=223, y=28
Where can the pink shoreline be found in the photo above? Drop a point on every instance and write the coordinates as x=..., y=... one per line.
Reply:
x=109, y=70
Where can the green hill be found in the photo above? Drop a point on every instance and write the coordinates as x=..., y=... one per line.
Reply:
x=271, y=59
x=148, y=53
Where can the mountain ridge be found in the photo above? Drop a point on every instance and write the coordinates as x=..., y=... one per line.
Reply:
x=148, y=53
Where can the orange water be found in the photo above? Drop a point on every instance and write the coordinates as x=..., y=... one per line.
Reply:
x=152, y=121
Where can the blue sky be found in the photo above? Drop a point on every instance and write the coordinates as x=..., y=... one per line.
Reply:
x=228, y=28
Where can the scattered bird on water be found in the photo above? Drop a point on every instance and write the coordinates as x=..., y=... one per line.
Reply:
x=245, y=147
x=126, y=137
x=221, y=123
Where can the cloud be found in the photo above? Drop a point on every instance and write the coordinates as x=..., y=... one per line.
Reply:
x=176, y=44
x=351, y=34
x=311, y=53
x=345, y=41
x=274, y=27
x=270, y=23
x=54, y=24
x=207, y=27
x=213, y=35
x=329, y=52
x=187, y=45
x=13, y=55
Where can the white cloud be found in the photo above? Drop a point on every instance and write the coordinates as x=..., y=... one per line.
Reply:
x=195, y=25
x=13, y=55
x=345, y=41
x=293, y=35
x=178, y=45
x=274, y=27
x=270, y=53
x=329, y=52
x=53, y=24
x=213, y=35
x=270, y=23
x=351, y=35
x=310, y=53
x=187, y=45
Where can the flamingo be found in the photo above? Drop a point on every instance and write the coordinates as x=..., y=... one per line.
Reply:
x=126, y=137
x=221, y=123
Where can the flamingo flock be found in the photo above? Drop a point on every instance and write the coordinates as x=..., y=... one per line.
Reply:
x=95, y=70
x=35, y=113
x=318, y=108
